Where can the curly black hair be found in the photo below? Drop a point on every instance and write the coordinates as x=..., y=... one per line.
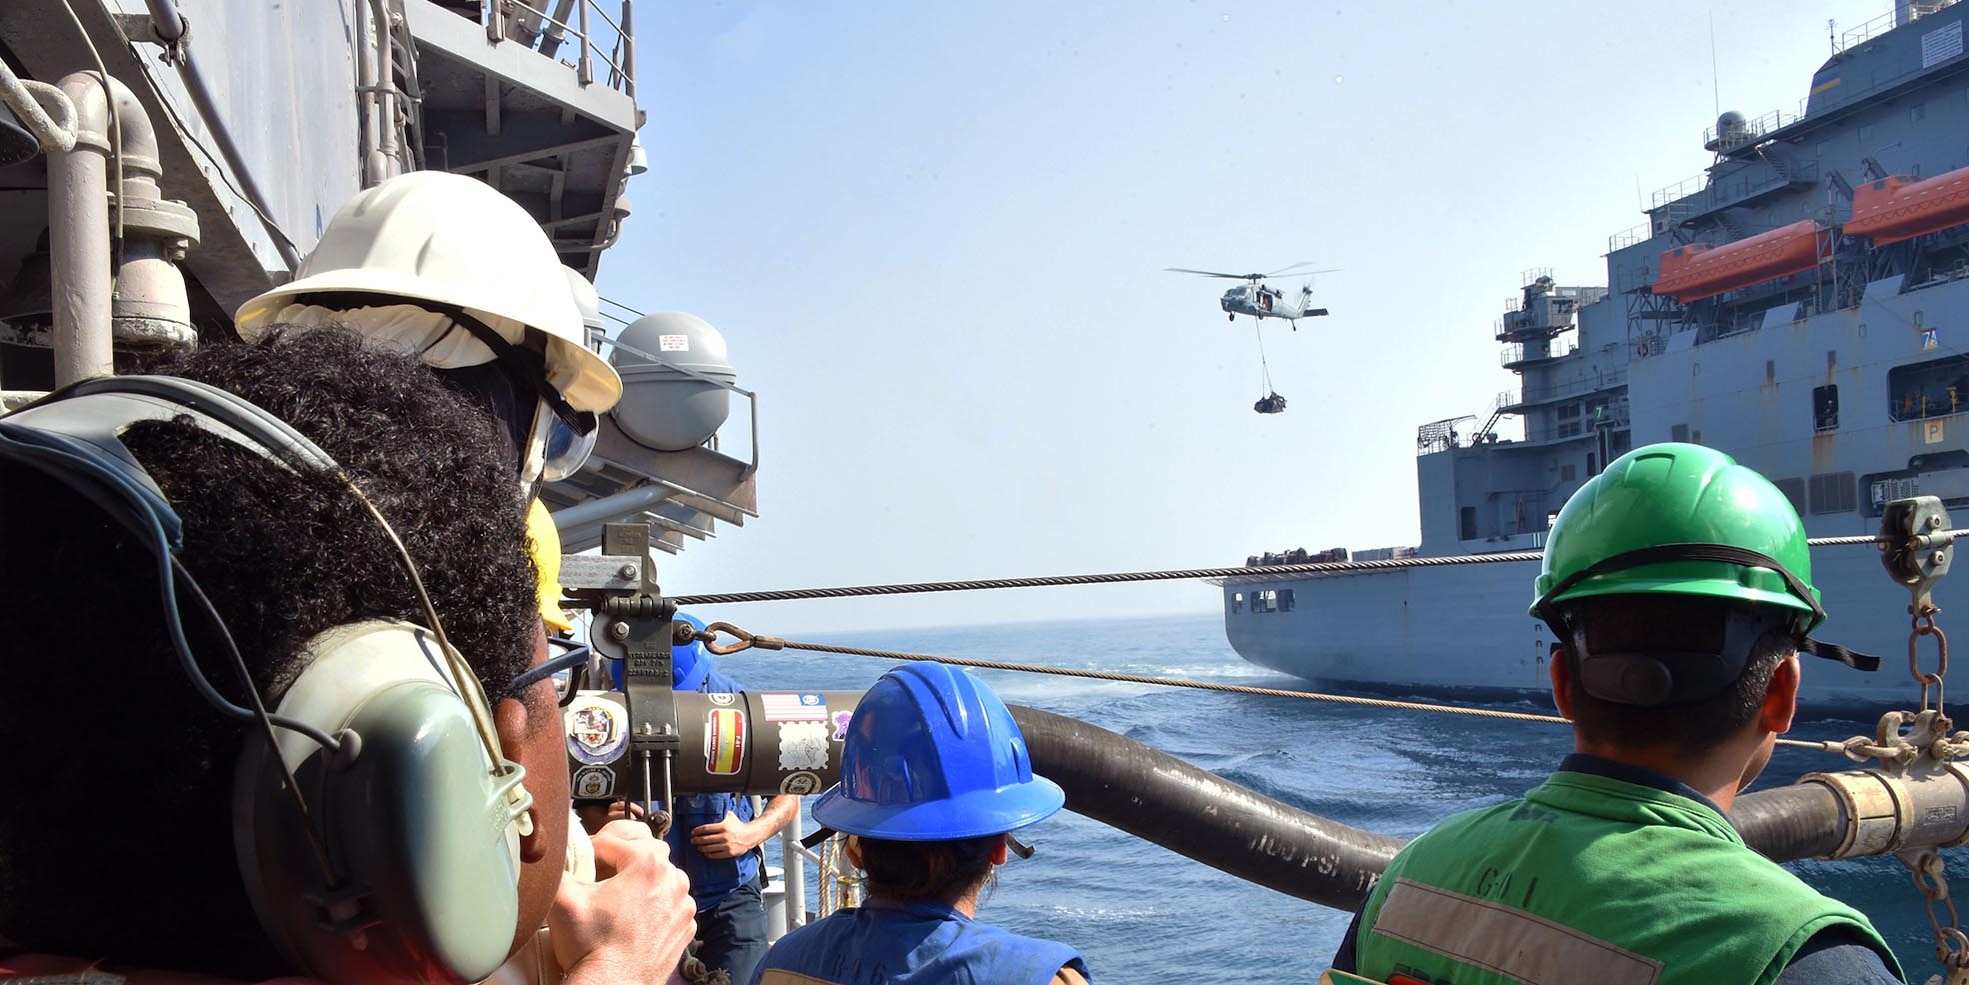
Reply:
x=116, y=835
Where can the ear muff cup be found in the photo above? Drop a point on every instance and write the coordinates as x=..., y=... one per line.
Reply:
x=404, y=865
x=411, y=818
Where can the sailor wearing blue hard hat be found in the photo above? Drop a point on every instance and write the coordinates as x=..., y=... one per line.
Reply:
x=934, y=774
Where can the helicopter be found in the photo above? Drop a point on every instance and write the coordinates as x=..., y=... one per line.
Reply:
x=1261, y=300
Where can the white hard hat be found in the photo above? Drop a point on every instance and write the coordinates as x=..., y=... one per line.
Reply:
x=450, y=240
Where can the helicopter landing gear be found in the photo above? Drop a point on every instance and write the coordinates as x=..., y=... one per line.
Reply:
x=1230, y=316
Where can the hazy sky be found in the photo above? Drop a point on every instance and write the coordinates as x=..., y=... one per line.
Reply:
x=934, y=235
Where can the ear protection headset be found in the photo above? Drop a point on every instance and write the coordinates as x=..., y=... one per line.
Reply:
x=1662, y=678
x=376, y=821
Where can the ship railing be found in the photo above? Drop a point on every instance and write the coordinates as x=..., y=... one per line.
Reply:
x=611, y=43
x=1445, y=434
x=1628, y=237
x=1598, y=381
x=1750, y=131
x=1680, y=190
x=1868, y=30
x=1916, y=9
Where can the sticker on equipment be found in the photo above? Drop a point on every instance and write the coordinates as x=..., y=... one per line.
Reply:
x=841, y=720
x=597, y=730
x=719, y=698
x=594, y=783
x=803, y=746
x=793, y=707
x=800, y=784
x=673, y=343
x=724, y=741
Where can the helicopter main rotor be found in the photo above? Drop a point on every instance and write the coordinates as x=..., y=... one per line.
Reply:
x=1253, y=278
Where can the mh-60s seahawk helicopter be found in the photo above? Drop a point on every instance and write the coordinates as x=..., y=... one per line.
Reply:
x=1261, y=300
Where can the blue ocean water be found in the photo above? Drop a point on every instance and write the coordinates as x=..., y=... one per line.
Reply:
x=1140, y=912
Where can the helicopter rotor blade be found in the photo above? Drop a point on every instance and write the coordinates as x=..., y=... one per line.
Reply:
x=1296, y=266
x=1210, y=273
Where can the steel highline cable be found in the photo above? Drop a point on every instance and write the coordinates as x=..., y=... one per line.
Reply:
x=1273, y=692
x=1263, y=572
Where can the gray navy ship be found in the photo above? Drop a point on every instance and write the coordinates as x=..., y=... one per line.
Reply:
x=1803, y=306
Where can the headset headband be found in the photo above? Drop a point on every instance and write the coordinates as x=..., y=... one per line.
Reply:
x=1547, y=608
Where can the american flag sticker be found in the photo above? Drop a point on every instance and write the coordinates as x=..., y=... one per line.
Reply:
x=724, y=741
x=794, y=707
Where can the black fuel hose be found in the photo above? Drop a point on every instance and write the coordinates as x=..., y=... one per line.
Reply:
x=1195, y=813
x=1199, y=815
x=1804, y=820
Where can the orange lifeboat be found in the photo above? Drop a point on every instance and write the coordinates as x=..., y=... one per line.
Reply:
x=1699, y=270
x=1899, y=207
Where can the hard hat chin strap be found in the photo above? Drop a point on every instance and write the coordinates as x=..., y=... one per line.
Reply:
x=532, y=363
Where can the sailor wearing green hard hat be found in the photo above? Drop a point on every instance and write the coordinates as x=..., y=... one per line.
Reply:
x=934, y=774
x=1678, y=585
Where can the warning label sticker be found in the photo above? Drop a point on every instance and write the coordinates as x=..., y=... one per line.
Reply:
x=673, y=343
x=724, y=741
x=793, y=707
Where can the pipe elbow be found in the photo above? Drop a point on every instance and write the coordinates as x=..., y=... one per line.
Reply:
x=97, y=104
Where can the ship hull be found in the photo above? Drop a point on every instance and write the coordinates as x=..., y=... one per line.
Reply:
x=1457, y=628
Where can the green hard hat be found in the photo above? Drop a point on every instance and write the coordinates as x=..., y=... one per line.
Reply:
x=1679, y=519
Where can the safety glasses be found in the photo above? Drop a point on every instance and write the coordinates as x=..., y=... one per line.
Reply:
x=565, y=445
x=568, y=671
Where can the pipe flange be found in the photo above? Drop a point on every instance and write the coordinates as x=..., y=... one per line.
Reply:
x=1961, y=775
x=140, y=332
x=1878, y=812
x=162, y=218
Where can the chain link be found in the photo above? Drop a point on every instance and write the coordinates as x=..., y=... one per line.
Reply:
x=1951, y=944
x=1918, y=741
x=1923, y=624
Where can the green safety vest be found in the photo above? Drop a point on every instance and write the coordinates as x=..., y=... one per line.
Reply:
x=1595, y=880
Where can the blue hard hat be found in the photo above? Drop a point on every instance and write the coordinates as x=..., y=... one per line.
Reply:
x=932, y=755
x=689, y=666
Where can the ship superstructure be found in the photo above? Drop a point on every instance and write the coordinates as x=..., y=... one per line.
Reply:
x=1802, y=305
x=261, y=120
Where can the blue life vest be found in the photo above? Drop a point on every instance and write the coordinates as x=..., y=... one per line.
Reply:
x=883, y=943
x=711, y=879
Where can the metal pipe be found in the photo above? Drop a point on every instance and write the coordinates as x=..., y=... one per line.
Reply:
x=793, y=872
x=249, y=183
x=57, y=135
x=78, y=236
x=557, y=29
x=628, y=29
x=386, y=91
x=595, y=512
x=585, y=72
x=165, y=21
x=372, y=163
